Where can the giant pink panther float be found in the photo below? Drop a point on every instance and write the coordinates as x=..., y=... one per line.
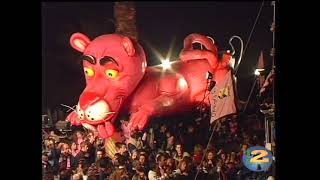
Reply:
x=117, y=78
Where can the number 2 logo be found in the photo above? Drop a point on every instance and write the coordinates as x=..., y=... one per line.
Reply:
x=260, y=157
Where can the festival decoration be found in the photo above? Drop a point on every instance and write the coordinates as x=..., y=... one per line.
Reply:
x=118, y=79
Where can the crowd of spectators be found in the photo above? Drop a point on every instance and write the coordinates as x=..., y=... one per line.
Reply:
x=166, y=149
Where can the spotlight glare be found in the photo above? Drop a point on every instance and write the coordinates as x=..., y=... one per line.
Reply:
x=257, y=72
x=165, y=64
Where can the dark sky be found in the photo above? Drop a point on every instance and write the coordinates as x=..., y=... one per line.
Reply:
x=159, y=25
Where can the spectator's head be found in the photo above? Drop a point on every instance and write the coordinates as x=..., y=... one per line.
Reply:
x=163, y=128
x=45, y=157
x=79, y=135
x=190, y=128
x=168, y=134
x=57, y=145
x=170, y=163
x=121, y=147
x=142, y=159
x=121, y=161
x=137, y=135
x=65, y=149
x=116, y=159
x=180, y=125
x=134, y=155
x=93, y=171
x=210, y=155
x=161, y=159
x=52, y=133
x=84, y=146
x=73, y=146
x=91, y=137
x=99, y=142
x=223, y=156
x=228, y=156
x=100, y=154
x=179, y=149
x=244, y=147
x=198, y=149
x=184, y=166
x=139, y=170
x=50, y=144
x=233, y=156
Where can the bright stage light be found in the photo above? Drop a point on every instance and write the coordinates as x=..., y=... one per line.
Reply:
x=257, y=72
x=165, y=64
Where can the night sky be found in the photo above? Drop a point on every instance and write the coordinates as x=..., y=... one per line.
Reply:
x=159, y=25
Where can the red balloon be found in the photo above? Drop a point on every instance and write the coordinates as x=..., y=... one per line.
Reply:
x=117, y=77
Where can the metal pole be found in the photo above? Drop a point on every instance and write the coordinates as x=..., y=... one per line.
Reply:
x=272, y=132
x=273, y=50
x=254, y=84
x=266, y=129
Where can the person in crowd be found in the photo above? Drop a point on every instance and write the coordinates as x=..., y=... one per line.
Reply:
x=152, y=174
x=143, y=162
x=135, y=141
x=160, y=137
x=133, y=161
x=170, y=141
x=91, y=141
x=83, y=154
x=47, y=169
x=81, y=170
x=74, y=149
x=54, y=155
x=120, y=172
x=104, y=164
x=197, y=155
x=65, y=162
x=190, y=137
x=183, y=170
x=122, y=149
x=170, y=167
x=161, y=166
x=209, y=162
x=179, y=153
x=93, y=172
x=79, y=138
x=244, y=148
x=140, y=173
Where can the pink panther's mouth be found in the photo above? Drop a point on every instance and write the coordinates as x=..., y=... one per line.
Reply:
x=96, y=113
x=93, y=121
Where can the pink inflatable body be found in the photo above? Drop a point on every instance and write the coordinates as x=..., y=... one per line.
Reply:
x=117, y=78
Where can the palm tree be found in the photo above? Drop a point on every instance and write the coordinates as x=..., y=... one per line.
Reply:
x=125, y=16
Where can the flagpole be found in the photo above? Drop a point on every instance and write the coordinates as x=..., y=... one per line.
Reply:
x=252, y=88
x=273, y=50
x=270, y=135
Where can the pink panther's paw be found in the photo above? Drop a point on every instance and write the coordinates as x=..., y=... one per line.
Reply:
x=138, y=120
x=73, y=118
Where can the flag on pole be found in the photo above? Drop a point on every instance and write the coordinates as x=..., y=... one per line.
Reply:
x=110, y=147
x=261, y=67
x=222, y=97
x=268, y=82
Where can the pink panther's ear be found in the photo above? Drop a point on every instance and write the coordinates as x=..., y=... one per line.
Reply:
x=79, y=41
x=128, y=46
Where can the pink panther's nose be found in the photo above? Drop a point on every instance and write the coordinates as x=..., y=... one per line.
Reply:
x=94, y=107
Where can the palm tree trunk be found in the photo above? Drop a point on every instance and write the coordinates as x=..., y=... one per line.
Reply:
x=125, y=16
